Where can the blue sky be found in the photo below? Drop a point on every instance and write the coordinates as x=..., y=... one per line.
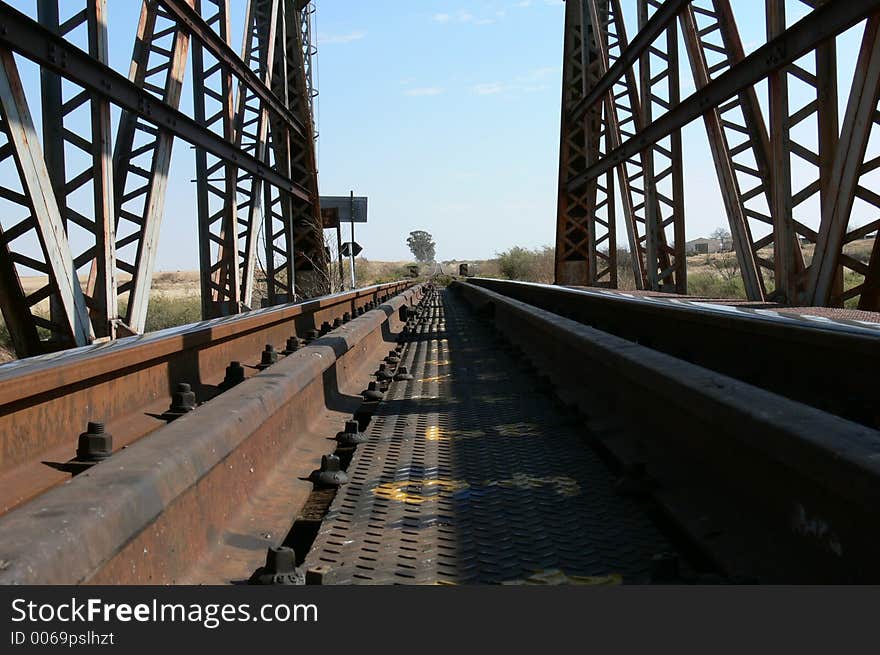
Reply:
x=446, y=114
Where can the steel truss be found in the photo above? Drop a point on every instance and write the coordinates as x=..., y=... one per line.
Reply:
x=82, y=214
x=778, y=177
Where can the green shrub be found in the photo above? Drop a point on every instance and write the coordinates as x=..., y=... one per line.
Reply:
x=709, y=285
x=165, y=312
x=527, y=265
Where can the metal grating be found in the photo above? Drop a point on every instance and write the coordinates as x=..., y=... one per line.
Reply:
x=473, y=475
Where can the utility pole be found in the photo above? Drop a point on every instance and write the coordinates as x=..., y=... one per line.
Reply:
x=351, y=222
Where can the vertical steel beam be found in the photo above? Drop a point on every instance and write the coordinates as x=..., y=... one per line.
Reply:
x=666, y=265
x=216, y=178
x=280, y=272
x=624, y=118
x=252, y=134
x=572, y=218
x=310, y=258
x=788, y=230
x=60, y=130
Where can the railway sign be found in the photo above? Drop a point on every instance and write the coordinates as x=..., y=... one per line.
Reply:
x=351, y=249
x=343, y=209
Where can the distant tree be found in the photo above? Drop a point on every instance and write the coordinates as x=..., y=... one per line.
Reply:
x=723, y=235
x=422, y=246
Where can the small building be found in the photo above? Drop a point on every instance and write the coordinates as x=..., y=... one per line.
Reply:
x=704, y=246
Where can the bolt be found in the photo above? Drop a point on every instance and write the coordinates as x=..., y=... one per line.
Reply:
x=315, y=576
x=234, y=375
x=346, y=317
x=280, y=569
x=330, y=474
x=351, y=435
x=393, y=358
x=325, y=328
x=402, y=374
x=337, y=323
x=372, y=393
x=292, y=346
x=183, y=400
x=382, y=374
x=269, y=357
x=95, y=443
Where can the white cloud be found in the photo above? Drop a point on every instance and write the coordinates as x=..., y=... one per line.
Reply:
x=488, y=89
x=424, y=91
x=325, y=39
x=464, y=16
x=529, y=82
x=540, y=74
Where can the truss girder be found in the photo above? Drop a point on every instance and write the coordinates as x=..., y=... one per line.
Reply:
x=787, y=185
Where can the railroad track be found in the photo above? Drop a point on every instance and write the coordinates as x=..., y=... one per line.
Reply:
x=501, y=443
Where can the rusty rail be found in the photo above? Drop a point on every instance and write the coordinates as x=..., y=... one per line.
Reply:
x=204, y=495
x=46, y=401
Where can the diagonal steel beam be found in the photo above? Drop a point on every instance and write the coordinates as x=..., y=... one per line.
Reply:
x=191, y=20
x=141, y=203
x=73, y=320
x=725, y=166
x=848, y=167
x=823, y=23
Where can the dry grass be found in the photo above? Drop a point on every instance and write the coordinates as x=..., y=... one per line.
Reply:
x=174, y=298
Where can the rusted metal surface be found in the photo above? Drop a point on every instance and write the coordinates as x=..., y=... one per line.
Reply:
x=135, y=511
x=824, y=363
x=772, y=489
x=46, y=401
x=122, y=217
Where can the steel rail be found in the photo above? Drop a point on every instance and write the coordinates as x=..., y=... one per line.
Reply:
x=769, y=488
x=46, y=401
x=823, y=23
x=157, y=511
x=765, y=348
x=28, y=38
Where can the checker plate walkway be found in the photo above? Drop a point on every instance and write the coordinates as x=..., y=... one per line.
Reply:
x=472, y=475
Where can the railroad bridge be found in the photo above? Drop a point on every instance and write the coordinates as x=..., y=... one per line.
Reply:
x=488, y=431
